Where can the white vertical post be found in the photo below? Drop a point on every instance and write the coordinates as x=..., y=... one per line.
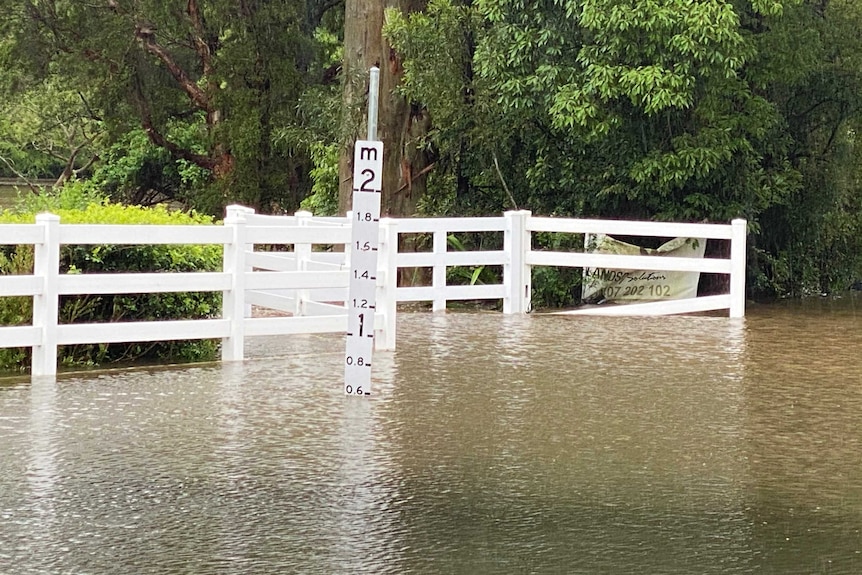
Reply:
x=364, y=247
x=438, y=272
x=387, y=267
x=739, y=233
x=516, y=274
x=248, y=248
x=233, y=300
x=303, y=255
x=46, y=256
x=230, y=211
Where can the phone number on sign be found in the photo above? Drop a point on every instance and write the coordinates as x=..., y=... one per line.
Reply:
x=655, y=290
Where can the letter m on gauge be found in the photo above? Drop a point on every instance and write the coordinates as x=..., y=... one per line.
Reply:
x=368, y=166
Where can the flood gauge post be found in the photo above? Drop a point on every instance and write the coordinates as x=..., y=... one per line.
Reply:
x=364, y=245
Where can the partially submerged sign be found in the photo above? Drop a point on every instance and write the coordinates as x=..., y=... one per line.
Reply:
x=623, y=286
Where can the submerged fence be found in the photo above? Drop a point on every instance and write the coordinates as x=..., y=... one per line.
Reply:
x=300, y=267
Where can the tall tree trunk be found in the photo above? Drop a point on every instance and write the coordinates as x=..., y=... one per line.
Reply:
x=401, y=125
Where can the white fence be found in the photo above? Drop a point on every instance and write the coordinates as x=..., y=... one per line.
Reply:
x=734, y=266
x=517, y=257
x=311, y=284
x=244, y=272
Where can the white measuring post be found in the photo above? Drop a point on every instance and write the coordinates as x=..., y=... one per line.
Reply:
x=364, y=244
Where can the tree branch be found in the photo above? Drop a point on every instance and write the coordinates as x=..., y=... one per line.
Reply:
x=146, y=35
x=176, y=151
x=159, y=139
x=69, y=169
x=503, y=181
x=88, y=165
x=91, y=113
x=415, y=176
x=203, y=48
x=846, y=113
x=33, y=187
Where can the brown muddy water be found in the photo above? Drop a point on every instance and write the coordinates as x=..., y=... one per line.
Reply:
x=492, y=444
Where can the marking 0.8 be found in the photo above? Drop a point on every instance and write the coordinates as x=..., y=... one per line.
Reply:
x=362, y=287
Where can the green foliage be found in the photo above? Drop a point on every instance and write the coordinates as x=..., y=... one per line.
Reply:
x=194, y=93
x=89, y=308
x=136, y=171
x=316, y=133
x=323, y=200
x=15, y=310
x=45, y=127
x=74, y=195
x=650, y=94
x=812, y=244
x=556, y=287
x=679, y=110
x=471, y=275
x=811, y=65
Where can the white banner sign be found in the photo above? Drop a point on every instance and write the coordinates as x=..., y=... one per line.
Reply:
x=621, y=286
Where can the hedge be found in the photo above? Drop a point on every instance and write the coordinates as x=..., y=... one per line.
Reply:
x=93, y=308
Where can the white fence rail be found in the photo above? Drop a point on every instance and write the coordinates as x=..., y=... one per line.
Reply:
x=288, y=274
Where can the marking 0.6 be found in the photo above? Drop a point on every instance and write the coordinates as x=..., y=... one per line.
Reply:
x=362, y=287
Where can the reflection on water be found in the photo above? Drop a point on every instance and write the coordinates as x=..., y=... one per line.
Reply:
x=493, y=444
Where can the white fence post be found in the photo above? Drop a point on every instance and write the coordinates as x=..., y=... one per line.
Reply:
x=516, y=274
x=248, y=247
x=46, y=265
x=233, y=300
x=438, y=272
x=303, y=255
x=387, y=265
x=739, y=232
x=346, y=265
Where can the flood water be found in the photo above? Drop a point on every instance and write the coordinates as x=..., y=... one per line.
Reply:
x=492, y=444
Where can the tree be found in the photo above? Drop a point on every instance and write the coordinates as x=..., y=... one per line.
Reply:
x=811, y=68
x=232, y=70
x=661, y=82
x=47, y=130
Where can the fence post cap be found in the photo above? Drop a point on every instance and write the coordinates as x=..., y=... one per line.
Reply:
x=47, y=217
x=236, y=216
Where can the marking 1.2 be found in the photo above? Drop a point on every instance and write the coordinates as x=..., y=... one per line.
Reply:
x=362, y=286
